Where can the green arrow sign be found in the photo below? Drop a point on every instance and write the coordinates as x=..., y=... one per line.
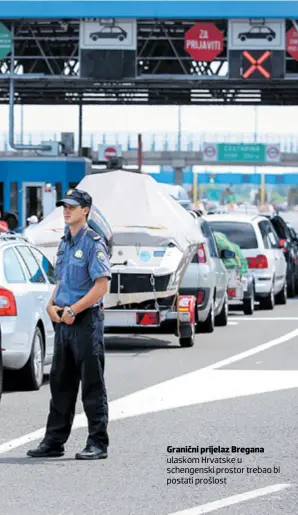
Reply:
x=5, y=41
x=243, y=153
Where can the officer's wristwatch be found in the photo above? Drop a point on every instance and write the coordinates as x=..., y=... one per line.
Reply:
x=70, y=312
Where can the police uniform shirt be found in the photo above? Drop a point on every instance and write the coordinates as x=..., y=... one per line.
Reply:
x=81, y=260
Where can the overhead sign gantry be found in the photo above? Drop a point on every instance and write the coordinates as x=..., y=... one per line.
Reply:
x=150, y=53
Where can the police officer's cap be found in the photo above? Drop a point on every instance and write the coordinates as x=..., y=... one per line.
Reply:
x=76, y=198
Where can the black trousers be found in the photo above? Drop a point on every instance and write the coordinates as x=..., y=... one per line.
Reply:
x=78, y=356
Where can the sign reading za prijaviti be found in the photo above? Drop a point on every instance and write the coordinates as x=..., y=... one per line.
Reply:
x=204, y=41
x=241, y=153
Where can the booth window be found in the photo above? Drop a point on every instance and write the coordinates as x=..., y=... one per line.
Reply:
x=13, y=196
x=58, y=186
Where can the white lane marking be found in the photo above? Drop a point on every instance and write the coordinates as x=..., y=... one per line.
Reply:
x=199, y=387
x=265, y=319
x=22, y=440
x=182, y=391
x=255, y=350
x=230, y=501
x=233, y=323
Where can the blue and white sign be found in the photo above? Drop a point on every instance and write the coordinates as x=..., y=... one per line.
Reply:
x=110, y=34
x=256, y=34
x=159, y=253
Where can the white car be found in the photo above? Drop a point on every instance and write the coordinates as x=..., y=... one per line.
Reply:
x=27, y=282
x=259, y=243
x=206, y=278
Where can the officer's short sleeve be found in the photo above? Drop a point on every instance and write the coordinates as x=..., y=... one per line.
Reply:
x=99, y=265
x=58, y=264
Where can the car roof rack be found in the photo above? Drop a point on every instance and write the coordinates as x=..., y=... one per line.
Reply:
x=10, y=236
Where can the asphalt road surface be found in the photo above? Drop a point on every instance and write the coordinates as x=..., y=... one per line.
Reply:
x=237, y=388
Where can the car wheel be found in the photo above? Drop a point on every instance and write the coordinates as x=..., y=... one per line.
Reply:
x=32, y=373
x=249, y=305
x=268, y=302
x=281, y=297
x=291, y=287
x=188, y=341
x=269, y=38
x=243, y=38
x=94, y=38
x=222, y=318
x=208, y=325
x=121, y=38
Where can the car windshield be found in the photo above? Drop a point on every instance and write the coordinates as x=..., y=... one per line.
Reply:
x=241, y=233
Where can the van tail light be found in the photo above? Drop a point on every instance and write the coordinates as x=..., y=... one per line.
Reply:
x=202, y=254
x=259, y=262
x=200, y=297
x=8, y=306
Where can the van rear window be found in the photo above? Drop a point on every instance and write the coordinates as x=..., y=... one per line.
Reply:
x=241, y=233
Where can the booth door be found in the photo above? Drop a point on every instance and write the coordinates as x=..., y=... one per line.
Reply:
x=32, y=200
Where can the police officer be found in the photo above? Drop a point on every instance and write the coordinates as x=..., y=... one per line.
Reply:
x=83, y=273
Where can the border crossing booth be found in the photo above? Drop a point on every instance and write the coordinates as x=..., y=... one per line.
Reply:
x=31, y=185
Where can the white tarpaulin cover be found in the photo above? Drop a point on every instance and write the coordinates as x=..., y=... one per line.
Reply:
x=131, y=202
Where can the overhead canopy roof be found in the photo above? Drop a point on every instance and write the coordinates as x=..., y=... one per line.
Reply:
x=47, y=57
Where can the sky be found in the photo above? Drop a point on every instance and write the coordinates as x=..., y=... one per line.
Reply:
x=280, y=120
x=203, y=121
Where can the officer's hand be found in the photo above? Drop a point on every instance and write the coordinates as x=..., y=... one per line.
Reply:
x=66, y=318
x=53, y=313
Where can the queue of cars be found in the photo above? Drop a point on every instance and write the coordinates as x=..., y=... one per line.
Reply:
x=269, y=245
x=260, y=245
x=268, y=268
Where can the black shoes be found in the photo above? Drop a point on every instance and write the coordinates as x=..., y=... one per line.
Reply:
x=92, y=453
x=46, y=451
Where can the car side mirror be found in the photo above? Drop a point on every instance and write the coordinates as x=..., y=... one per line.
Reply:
x=227, y=254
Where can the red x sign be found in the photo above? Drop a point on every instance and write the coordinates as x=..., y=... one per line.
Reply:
x=256, y=64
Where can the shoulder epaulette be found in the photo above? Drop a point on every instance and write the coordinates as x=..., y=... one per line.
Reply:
x=93, y=234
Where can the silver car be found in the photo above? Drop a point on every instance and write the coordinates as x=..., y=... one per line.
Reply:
x=27, y=283
x=207, y=278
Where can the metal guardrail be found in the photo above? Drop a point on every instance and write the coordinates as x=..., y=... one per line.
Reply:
x=162, y=141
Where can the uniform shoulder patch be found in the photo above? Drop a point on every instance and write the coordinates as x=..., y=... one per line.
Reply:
x=101, y=256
